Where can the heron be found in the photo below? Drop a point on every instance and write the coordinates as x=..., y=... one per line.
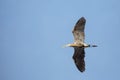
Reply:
x=79, y=45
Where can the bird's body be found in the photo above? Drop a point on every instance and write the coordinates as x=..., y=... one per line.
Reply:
x=79, y=45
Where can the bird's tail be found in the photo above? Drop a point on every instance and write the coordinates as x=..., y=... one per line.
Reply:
x=67, y=45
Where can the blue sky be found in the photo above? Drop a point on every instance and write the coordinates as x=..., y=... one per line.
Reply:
x=32, y=33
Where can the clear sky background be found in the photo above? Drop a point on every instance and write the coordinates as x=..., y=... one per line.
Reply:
x=32, y=33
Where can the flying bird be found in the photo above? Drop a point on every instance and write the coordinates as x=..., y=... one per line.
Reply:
x=79, y=45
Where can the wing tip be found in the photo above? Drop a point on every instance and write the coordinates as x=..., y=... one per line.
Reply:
x=82, y=70
x=79, y=24
x=82, y=20
x=82, y=17
x=81, y=67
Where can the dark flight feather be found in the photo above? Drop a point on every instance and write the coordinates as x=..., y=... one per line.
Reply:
x=78, y=57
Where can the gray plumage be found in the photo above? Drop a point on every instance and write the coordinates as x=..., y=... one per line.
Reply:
x=79, y=44
x=79, y=37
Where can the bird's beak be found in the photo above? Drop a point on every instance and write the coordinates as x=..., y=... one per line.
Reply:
x=94, y=46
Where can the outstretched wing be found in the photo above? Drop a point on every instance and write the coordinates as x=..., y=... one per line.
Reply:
x=78, y=57
x=78, y=30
